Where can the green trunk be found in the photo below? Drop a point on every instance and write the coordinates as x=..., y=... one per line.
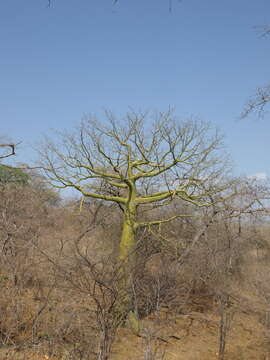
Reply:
x=126, y=261
x=127, y=243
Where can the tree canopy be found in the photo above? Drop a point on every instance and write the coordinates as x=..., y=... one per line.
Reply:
x=108, y=160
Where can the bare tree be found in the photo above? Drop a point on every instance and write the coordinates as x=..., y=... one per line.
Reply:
x=257, y=103
x=137, y=163
x=228, y=240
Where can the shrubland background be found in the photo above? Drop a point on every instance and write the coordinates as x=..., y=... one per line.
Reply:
x=200, y=282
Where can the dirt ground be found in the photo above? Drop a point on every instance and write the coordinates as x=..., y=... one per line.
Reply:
x=193, y=336
x=196, y=337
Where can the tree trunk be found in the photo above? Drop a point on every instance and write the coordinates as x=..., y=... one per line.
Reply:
x=127, y=242
x=126, y=261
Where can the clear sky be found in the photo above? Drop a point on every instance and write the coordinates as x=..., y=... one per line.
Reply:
x=204, y=58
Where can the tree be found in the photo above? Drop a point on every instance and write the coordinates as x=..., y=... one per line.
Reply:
x=11, y=175
x=136, y=163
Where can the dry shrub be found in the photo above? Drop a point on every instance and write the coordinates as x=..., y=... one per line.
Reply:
x=86, y=280
x=25, y=275
x=181, y=267
x=58, y=275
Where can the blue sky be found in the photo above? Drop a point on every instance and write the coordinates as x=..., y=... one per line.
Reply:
x=204, y=58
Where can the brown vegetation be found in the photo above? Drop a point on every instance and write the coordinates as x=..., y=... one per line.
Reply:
x=200, y=284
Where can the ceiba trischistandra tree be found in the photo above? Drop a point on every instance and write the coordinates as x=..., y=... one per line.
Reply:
x=143, y=159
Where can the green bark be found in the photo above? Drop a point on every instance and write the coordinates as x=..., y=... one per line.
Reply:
x=127, y=242
x=125, y=307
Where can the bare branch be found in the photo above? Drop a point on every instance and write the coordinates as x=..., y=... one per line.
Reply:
x=11, y=152
x=264, y=29
x=160, y=222
x=258, y=103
